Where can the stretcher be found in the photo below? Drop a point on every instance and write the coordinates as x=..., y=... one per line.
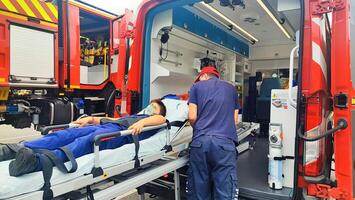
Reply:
x=107, y=166
x=103, y=165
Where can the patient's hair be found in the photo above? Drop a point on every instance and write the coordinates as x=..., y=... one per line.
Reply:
x=161, y=105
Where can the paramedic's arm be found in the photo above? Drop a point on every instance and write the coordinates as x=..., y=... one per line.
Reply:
x=193, y=105
x=192, y=113
x=149, y=121
x=236, y=109
x=236, y=116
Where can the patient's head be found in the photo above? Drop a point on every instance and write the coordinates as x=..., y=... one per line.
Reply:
x=158, y=107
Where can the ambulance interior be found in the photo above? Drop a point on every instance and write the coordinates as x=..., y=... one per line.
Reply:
x=254, y=58
x=94, y=48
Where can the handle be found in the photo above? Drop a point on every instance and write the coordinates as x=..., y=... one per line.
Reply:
x=341, y=124
x=45, y=130
x=290, y=78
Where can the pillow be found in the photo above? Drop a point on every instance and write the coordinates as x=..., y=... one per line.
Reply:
x=176, y=110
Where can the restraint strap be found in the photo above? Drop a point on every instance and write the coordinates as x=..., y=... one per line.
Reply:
x=89, y=193
x=59, y=163
x=137, y=162
x=47, y=171
x=48, y=161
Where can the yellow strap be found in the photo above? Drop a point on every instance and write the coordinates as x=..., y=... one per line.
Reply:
x=9, y=5
x=41, y=10
x=26, y=8
x=53, y=9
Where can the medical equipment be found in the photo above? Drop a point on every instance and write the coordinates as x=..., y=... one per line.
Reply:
x=282, y=112
x=275, y=176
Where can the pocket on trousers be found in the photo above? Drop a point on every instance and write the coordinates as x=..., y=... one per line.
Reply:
x=234, y=186
x=228, y=147
x=195, y=144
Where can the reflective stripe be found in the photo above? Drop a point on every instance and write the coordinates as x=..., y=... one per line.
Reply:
x=12, y=15
x=312, y=148
x=318, y=57
x=9, y=5
x=25, y=7
x=53, y=9
x=41, y=10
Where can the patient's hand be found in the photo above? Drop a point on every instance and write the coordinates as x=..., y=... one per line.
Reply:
x=84, y=121
x=136, y=128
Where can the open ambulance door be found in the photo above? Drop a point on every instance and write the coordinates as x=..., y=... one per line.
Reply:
x=325, y=115
x=122, y=36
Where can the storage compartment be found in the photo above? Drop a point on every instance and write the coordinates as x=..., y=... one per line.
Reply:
x=31, y=55
x=94, y=49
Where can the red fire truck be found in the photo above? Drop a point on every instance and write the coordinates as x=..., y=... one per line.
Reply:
x=59, y=61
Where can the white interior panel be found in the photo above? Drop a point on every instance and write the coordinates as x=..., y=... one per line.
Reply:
x=31, y=52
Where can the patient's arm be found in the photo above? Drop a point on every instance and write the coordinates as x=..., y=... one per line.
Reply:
x=91, y=120
x=149, y=121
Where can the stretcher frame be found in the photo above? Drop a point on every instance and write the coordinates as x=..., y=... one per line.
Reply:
x=144, y=177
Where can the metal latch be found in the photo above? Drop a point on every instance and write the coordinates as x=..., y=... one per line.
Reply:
x=327, y=6
x=341, y=100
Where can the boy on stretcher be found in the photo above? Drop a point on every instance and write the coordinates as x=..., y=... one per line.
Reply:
x=79, y=141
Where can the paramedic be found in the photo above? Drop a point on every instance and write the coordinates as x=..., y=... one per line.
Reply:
x=213, y=113
x=79, y=141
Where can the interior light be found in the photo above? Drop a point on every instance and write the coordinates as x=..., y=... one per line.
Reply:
x=261, y=3
x=214, y=10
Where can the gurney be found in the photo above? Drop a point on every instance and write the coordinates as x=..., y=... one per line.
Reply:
x=103, y=165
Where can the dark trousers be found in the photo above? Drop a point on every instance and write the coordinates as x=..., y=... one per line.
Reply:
x=212, y=172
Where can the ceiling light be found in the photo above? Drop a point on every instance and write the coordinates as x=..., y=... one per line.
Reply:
x=230, y=27
x=262, y=4
x=214, y=10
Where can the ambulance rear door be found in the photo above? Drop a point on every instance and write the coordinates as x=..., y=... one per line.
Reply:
x=324, y=117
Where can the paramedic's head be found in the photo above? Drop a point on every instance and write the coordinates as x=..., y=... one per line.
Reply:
x=158, y=107
x=207, y=73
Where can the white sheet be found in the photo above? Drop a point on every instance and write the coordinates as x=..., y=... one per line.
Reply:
x=13, y=186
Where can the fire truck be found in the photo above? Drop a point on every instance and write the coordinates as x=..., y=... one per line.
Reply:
x=60, y=61
x=155, y=53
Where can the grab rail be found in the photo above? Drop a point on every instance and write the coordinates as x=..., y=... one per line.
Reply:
x=290, y=79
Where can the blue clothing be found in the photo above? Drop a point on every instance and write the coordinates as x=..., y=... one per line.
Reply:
x=216, y=102
x=212, y=164
x=80, y=140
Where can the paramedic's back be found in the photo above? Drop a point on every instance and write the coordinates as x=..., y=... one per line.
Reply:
x=213, y=110
x=216, y=102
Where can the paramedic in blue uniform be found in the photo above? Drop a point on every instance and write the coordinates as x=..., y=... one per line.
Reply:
x=213, y=113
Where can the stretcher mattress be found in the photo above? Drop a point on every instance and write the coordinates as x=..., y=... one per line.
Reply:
x=14, y=186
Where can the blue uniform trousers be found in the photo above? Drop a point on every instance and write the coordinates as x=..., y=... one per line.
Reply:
x=80, y=140
x=212, y=172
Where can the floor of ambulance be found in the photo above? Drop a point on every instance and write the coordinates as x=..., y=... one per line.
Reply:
x=252, y=181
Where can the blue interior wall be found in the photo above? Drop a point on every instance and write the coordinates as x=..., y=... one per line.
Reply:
x=195, y=24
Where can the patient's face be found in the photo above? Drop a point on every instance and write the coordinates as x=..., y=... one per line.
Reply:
x=156, y=108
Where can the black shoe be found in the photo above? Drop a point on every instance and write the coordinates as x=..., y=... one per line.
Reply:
x=24, y=163
x=8, y=151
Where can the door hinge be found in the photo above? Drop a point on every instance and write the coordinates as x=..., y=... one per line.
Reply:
x=326, y=192
x=327, y=6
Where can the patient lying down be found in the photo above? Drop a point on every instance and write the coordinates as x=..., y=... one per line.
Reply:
x=79, y=141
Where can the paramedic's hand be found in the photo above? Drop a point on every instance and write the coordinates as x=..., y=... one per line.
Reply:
x=136, y=128
x=84, y=121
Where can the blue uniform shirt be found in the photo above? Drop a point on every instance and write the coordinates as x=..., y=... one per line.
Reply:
x=216, y=102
